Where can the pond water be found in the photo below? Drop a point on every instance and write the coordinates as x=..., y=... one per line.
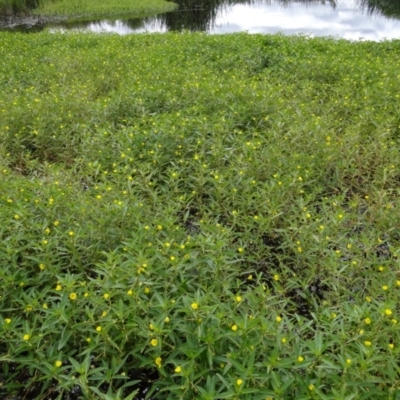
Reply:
x=349, y=19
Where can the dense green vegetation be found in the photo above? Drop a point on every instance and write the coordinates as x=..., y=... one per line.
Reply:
x=84, y=9
x=216, y=213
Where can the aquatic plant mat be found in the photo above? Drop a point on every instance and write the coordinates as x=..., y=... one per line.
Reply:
x=89, y=9
x=186, y=216
x=86, y=9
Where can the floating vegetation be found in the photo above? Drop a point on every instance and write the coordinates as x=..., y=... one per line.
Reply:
x=86, y=9
x=193, y=216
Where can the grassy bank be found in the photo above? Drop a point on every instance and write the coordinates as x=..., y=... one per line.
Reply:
x=217, y=214
x=90, y=9
x=87, y=9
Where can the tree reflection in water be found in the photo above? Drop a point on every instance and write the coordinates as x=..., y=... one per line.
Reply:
x=200, y=15
x=389, y=8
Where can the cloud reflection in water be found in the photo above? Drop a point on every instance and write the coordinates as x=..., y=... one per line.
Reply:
x=346, y=20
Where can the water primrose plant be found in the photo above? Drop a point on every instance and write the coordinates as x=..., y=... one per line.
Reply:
x=199, y=217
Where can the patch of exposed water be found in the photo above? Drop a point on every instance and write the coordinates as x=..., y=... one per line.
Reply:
x=349, y=19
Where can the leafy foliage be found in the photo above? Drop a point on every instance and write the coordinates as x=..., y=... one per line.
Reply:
x=86, y=9
x=217, y=214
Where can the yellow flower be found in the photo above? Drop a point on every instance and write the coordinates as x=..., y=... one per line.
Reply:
x=130, y=292
x=159, y=227
x=72, y=296
x=348, y=361
x=106, y=296
x=398, y=283
x=154, y=342
x=367, y=321
x=167, y=319
x=367, y=343
x=234, y=327
x=86, y=294
x=311, y=387
x=45, y=306
x=394, y=321
x=195, y=306
x=88, y=339
x=41, y=267
x=381, y=269
x=299, y=249
x=238, y=299
x=278, y=319
x=16, y=216
x=178, y=370
x=239, y=382
x=98, y=329
x=147, y=290
x=240, y=249
x=104, y=314
x=388, y=312
x=300, y=359
x=158, y=362
x=391, y=345
x=151, y=326
x=276, y=277
x=56, y=223
x=58, y=363
x=368, y=299
x=58, y=287
x=385, y=287
x=7, y=321
x=284, y=340
x=71, y=233
x=26, y=337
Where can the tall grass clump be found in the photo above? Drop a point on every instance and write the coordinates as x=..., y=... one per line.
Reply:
x=199, y=217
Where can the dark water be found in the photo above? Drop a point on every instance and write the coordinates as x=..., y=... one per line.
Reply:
x=349, y=19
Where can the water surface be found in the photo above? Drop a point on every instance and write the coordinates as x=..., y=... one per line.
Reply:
x=349, y=19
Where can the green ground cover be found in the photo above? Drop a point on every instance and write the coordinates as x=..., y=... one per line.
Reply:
x=218, y=214
x=88, y=9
